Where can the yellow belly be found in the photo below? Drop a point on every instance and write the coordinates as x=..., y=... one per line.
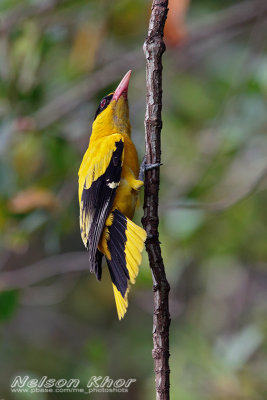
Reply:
x=126, y=199
x=127, y=193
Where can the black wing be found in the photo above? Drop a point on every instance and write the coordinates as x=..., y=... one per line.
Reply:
x=98, y=201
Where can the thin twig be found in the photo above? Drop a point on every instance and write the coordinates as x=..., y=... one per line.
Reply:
x=72, y=98
x=43, y=269
x=154, y=47
x=222, y=205
x=233, y=17
x=20, y=13
x=68, y=101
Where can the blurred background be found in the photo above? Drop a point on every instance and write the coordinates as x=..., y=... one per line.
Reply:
x=57, y=60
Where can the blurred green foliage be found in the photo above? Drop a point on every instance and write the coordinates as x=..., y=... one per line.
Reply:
x=8, y=303
x=212, y=226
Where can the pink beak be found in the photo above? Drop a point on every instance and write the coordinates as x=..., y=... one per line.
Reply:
x=122, y=89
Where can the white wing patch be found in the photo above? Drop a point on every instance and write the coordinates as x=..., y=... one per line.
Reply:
x=113, y=185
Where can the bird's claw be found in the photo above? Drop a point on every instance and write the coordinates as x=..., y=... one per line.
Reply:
x=146, y=167
x=151, y=166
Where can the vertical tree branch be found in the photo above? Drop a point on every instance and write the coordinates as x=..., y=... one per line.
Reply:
x=154, y=47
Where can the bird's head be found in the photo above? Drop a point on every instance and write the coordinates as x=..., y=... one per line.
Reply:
x=112, y=115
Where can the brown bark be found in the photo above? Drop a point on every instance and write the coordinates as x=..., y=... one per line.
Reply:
x=153, y=49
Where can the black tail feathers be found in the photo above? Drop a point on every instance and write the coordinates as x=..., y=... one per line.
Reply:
x=97, y=267
x=116, y=245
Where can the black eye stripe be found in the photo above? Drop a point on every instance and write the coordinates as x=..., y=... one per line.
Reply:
x=103, y=104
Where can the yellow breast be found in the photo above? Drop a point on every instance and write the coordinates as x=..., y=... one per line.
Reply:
x=126, y=197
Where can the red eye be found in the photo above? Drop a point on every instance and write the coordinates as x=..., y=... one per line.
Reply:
x=103, y=102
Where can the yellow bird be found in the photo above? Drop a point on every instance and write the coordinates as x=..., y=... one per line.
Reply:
x=108, y=193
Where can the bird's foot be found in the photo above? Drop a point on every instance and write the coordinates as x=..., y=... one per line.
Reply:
x=146, y=167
